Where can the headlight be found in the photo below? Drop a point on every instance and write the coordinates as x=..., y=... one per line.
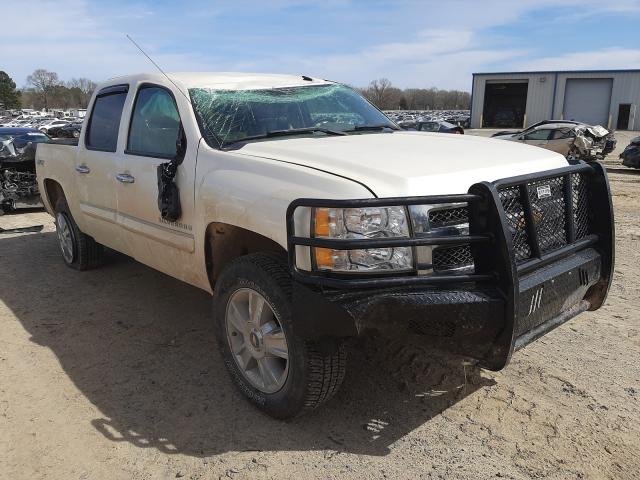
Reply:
x=360, y=223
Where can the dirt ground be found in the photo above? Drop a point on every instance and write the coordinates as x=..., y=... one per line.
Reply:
x=113, y=373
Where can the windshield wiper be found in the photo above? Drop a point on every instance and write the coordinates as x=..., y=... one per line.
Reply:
x=372, y=128
x=291, y=131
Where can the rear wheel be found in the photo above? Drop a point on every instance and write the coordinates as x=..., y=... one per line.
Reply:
x=79, y=251
x=279, y=372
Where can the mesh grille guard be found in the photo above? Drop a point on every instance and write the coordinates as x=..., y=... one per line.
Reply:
x=512, y=233
x=535, y=228
x=539, y=230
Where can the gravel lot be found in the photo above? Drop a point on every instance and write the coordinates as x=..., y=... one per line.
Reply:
x=113, y=374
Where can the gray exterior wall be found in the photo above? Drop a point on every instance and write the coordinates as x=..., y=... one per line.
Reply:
x=541, y=104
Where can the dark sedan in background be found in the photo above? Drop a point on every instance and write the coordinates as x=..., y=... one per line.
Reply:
x=436, y=126
x=71, y=130
x=631, y=155
x=68, y=130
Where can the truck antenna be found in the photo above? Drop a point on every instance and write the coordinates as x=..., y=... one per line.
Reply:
x=157, y=66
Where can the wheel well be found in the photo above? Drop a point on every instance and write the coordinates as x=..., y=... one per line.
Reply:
x=54, y=191
x=224, y=243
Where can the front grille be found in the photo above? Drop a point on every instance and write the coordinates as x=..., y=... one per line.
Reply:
x=549, y=212
x=448, y=217
x=450, y=258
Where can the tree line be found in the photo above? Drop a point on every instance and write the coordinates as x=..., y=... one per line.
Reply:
x=385, y=96
x=45, y=90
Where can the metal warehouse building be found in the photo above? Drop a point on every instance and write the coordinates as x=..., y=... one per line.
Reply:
x=514, y=100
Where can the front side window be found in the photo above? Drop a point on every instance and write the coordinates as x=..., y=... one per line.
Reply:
x=155, y=124
x=538, y=135
x=102, y=132
x=228, y=116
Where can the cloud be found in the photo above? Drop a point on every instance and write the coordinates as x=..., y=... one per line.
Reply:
x=606, y=58
x=412, y=42
x=440, y=58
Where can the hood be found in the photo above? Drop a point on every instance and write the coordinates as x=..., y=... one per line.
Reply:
x=410, y=163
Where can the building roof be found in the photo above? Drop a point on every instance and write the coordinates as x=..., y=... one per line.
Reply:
x=539, y=72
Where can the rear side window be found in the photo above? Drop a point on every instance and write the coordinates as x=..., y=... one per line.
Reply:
x=155, y=124
x=102, y=131
x=560, y=134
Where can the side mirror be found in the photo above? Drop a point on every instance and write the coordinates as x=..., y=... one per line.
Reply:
x=181, y=145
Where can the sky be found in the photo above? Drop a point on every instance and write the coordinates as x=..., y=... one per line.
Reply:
x=415, y=44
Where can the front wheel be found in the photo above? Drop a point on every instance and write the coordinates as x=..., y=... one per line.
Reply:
x=279, y=372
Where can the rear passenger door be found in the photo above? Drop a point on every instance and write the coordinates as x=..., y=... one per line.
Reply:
x=561, y=140
x=154, y=127
x=95, y=167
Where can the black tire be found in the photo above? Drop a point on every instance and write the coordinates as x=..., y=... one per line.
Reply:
x=86, y=252
x=315, y=372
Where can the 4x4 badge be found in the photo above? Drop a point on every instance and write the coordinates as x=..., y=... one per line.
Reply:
x=544, y=191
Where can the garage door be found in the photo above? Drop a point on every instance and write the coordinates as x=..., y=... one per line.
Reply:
x=587, y=100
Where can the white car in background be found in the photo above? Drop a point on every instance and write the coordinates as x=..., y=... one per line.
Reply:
x=44, y=128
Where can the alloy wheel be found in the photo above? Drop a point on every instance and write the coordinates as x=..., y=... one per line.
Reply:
x=65, y=237
x=257, y=340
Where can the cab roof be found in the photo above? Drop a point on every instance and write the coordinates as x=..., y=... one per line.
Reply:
x=221, y=80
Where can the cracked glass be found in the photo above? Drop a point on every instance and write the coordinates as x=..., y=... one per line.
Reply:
x=229, y=116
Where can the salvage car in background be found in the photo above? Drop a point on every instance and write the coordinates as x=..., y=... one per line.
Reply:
x=436, y=127
x=50, y=125
x=54, y=132
x=574, y=140
x=18, y=185
x=70, y=130
x=631, y=154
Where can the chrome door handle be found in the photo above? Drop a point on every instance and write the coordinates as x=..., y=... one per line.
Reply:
x=82, y=169
x=125, y=178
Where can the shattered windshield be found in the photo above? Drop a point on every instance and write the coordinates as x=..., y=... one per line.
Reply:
x=228, y=116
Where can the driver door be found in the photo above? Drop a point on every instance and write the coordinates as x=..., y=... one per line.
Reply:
x=154, y=129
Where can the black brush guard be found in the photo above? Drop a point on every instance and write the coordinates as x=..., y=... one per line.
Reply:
x=572, y=278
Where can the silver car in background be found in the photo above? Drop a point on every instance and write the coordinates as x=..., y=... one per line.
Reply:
x=574, y=140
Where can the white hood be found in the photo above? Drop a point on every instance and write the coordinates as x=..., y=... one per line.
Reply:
x=410, y=163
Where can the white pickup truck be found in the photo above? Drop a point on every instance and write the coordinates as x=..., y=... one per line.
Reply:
x=312, y=218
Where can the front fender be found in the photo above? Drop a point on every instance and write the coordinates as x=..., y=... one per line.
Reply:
x=253, y=192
